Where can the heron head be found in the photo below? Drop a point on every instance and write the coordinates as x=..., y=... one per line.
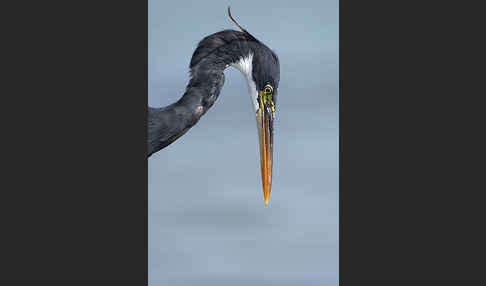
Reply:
x=262, y=71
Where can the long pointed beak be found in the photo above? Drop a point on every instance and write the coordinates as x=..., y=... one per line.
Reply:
x=265, y=116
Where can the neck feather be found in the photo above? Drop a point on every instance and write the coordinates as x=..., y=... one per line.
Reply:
x=212, y=56
x=245, y=66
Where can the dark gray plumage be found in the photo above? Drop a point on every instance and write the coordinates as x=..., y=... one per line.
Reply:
x=212, y=56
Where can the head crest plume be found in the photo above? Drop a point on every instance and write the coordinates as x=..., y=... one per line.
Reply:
x=239, y=26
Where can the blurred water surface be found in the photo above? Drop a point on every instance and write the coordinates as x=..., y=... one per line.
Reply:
x=208, y=224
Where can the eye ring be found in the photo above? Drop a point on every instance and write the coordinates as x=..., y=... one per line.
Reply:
x=268, y=90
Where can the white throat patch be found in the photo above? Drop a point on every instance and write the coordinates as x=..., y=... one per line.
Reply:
x=245, y=66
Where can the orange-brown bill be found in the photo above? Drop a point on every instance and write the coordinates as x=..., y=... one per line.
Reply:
x=265, y=117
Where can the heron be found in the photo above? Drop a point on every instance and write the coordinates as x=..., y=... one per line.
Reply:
x=228, y=48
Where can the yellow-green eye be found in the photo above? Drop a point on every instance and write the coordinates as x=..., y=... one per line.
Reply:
x=268, y=90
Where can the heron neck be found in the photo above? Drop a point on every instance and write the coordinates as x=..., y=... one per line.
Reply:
x=206, y=82
x=212, y=56
x=204, y=87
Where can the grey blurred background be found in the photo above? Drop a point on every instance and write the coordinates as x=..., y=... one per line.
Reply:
x=208, y=224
